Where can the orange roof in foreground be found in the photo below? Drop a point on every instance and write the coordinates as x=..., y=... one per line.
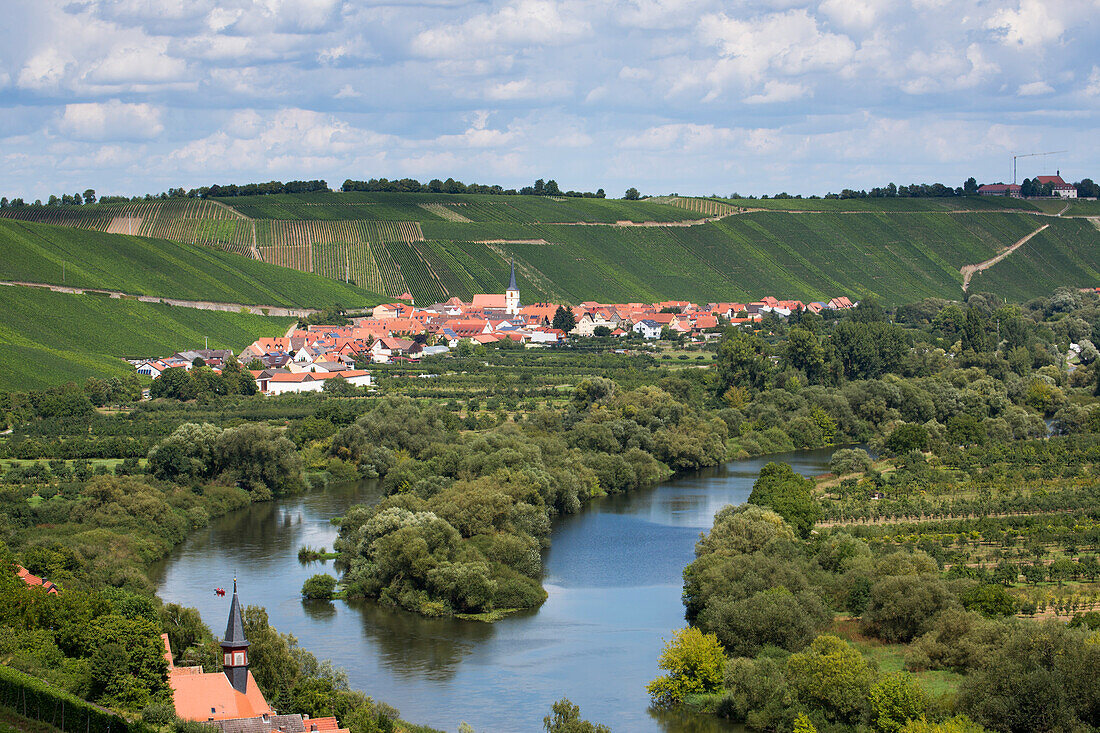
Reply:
x=33, y=580
x=209, y=696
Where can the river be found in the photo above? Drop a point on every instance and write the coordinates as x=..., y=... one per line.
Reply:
x=613, y=575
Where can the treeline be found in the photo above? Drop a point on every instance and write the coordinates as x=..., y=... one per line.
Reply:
x=411, y=185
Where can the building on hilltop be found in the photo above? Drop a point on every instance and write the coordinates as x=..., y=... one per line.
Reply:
x=1058, y=187
x=1000, y=189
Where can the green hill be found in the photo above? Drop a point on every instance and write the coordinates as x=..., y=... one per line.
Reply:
x=438, y=245
x=144, y=266
x=51, y=338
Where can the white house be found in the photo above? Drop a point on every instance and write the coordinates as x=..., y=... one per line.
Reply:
x=648, y=329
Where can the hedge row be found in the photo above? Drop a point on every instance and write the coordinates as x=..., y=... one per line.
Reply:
x=33, y=698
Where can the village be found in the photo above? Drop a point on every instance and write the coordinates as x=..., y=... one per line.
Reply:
x=306, y=358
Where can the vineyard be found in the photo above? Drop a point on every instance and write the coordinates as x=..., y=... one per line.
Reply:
x=898, y=250
x=142, y=266
x=53, y=338
x=707, y=207
x=445, y=212
x=194, y=221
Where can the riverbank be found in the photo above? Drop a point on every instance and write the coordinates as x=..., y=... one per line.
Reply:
x=612, y=574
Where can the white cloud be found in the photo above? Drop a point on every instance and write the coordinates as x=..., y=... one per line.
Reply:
x=778, y=91
x=1092, y=86
x=527, y=89
x=519, y=23
x=347, y=92
x=113, y=120
x=1034, y=88
x=45, y=69
x=1030, y=24
x=137, y=64
x=855, y=13
x=788, y=44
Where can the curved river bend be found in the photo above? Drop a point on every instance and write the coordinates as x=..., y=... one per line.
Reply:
x=613, y=575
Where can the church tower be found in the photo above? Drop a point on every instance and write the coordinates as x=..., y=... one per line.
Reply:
x=235, y=647
x=511, y=295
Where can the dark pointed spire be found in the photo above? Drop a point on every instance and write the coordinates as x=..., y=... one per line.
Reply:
x=235, y=647
x=234, y=630
x=512, y=282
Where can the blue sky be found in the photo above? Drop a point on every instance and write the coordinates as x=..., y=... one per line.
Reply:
x=688, y=96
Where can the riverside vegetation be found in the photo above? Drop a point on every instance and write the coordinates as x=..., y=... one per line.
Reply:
x=478, y=457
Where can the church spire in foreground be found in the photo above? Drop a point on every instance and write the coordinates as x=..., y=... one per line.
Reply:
x=235, y=647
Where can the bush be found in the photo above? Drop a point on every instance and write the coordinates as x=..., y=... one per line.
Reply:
x=320, y=586
x=695, y=664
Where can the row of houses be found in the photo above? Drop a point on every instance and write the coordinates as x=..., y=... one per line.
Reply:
x=1058, y=187
x=308, y=357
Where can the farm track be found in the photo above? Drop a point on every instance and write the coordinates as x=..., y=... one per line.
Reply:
x=274, y=311
x=969, y=270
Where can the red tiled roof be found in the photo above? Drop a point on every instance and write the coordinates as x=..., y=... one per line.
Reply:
x=34, y=581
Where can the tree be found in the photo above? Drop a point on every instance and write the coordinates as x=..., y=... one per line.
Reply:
x=601, y=332
x=89, y=196
x=895, y=700
x=320, y=586
x=970, y=187
x=830, y=675
x=632, y=194
x=786, y=492
x=806, y=352
x=741, y=361
x=565, y=717
x=564, y=319
x=901, y=607
x=990, y=600
x=695, y=664
x=906, y=438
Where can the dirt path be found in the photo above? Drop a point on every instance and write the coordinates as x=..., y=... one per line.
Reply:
x=969, y=270
x=1064, y=209
x=275, y=311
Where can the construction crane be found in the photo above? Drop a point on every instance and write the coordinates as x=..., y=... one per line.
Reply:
x=1029, y=155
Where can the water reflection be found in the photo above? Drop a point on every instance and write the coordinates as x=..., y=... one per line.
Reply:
x=613, y=574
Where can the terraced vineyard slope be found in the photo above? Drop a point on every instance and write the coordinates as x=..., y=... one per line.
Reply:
x=51, y=338
x=437, y=245
x=58, y=255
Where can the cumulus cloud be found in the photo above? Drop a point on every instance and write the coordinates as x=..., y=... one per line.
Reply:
x=778, y=91
x=1031, y=24
x=113, y=120
x=1035, y=88
x=518, y=23
x=787, y=44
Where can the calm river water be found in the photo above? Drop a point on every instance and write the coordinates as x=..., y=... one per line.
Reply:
x=613, y=575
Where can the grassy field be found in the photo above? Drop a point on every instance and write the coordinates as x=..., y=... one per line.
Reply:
x=143, y=266
x=51, y=338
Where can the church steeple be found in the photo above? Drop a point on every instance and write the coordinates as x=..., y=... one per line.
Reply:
x=235, y=647
x=511, y=295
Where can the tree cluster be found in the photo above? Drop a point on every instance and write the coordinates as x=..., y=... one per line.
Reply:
x=411, y=185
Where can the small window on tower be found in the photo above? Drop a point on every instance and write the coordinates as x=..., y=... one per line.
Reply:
x=238, y=659
x=228, y=660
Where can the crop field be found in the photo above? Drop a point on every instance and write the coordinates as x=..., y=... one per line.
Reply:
x=1065, y=254
x=475, y=207
x=963, y=203
x=143, y=266
x=439, y=245
x=182, y=220
x=1083, y=207
x=706, y=206
x=897, y=257
x=51, y=338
